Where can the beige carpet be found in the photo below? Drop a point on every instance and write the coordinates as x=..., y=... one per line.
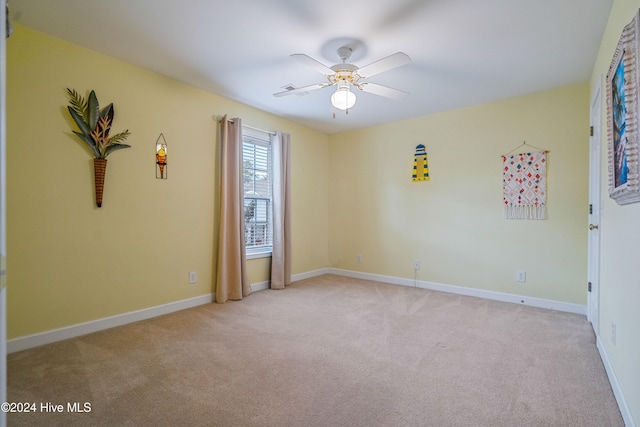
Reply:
x=327, y=351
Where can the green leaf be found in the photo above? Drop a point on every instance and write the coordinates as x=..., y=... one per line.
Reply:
x=107, y=112
x=82, y=125
x=89, y=141
x=114, y=147
x=94, y=110
x=78, y=103
x=95, y=124
x=117, y=138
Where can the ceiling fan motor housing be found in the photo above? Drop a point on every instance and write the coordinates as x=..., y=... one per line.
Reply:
x=344, y=73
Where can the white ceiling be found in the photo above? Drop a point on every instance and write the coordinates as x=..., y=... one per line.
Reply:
x=464, y=52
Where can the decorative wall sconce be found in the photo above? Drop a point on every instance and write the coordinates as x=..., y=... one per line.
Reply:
x=161, y=158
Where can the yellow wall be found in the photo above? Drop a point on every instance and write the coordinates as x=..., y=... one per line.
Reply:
x=453, y=224
x=620, y=242
x=70, y=262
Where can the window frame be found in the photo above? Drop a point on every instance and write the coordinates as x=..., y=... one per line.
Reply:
x=256, y=139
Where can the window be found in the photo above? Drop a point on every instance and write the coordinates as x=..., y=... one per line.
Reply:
x=257, y=180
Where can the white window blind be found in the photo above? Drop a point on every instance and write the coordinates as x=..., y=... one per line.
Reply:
x=257, y=181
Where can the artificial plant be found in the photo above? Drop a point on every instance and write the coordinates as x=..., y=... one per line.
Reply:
x=94, y=125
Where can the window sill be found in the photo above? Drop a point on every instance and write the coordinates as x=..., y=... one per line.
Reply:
x=256, y=255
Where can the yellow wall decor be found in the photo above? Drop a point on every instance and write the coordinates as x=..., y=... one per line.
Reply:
x=420, y=164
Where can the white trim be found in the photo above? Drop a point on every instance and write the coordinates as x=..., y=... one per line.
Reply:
x=30, y=341
x=54, y=335
x=480, y=293
x=310, y=274
x=499, y=296
x=615, y=386
x=595, y=208
x=256, y=255
x=35, y=340
x=260, y=286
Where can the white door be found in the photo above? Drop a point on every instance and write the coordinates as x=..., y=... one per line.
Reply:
x=593, y=275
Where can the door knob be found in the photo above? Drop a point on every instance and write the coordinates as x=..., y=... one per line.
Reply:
x=593, y=226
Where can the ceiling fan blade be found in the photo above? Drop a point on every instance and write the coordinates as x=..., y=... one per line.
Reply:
x=302, y=89
x=382, y=90
x=384, y=64
x=310, y=62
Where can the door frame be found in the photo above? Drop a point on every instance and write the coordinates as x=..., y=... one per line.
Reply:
x=595, y=208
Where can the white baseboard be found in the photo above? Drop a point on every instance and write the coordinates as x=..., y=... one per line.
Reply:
x=309, y=274
x=261, y=286
x=615, y=386
x=35, y=340
x=480, y=293
x=499, y=296
x=48, y=337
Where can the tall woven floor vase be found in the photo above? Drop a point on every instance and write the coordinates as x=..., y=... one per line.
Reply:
x=99, y=170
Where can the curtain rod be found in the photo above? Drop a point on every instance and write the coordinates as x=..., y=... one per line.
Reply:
x=219, y=118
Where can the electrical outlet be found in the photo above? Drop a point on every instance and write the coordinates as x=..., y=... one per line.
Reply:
x=521, y=276
x=359, y=259
x=192, y=277
x=416, y=265
x=613, y=333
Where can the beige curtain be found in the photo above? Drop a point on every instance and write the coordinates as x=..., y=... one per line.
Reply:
x=232, y=281
x=281, y=258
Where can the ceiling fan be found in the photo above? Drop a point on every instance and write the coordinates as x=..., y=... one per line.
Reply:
x=345, y=75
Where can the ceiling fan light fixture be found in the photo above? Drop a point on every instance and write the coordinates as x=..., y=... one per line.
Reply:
x=343, y=98
x=346, y=75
